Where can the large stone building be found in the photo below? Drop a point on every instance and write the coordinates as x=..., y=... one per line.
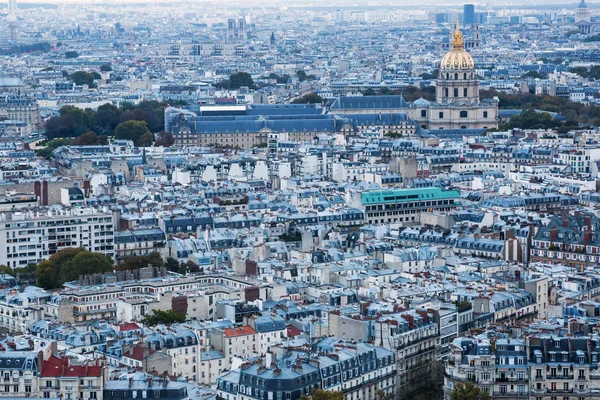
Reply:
x=457, y=104
x=582, y=18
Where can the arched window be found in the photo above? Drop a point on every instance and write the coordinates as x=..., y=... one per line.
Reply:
x=456, y=76
x=465, y=92
x=455, y=92
x=464, y=114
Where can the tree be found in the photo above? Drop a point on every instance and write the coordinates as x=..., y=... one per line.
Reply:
x=153, y=259
x=26, y=275
x=107, y=117
x=172, y=264
x=283, y=79
x=308, y=98
x=83, y=78
x=133, y=130
x=63, y=126
x=167, y=317
x=468, y=391
x=321, y=394
x=105, y=68
x=46, y=275
x=90, y=138
x=164, y=139
x=51, y=145
x=301, y=75
x=7, y=270
x=369, y=92
x=433, y=75
x=85, y=263
x=240, y=79
x=189, y=267
x=533, y=74
x=71, y=54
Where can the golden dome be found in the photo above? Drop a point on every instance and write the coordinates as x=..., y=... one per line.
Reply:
x=458, y=57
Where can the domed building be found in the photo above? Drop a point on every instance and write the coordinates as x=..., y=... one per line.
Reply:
x=457, y=104
x=582, y=18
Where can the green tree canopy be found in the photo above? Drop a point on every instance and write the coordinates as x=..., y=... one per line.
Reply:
x=533, y=74
x=7, y=270
x=105, y=68
x=301, y=75
x=468, y=391
x=90, y=138
x=46, y=275
x=321, y=394
x=83, y=78
x=107, y=117
x=172, y=264
x=71, y=54
x=164, y=139
x=68, y=264
x=167, y=317
x=240, y=79
x=153, y=259
x=312, y=98
x=137, y=131
x=432, y=75
x=52, y=145
x=85, y=263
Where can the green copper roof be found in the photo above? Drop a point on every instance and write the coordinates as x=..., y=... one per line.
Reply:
x=407, y=195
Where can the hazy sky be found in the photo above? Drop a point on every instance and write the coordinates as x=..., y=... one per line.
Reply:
x=427, y=4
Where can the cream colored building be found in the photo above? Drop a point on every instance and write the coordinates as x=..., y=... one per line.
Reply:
x=457, y=104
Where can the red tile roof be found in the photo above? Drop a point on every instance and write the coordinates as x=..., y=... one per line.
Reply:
x=292, y=331
x=137, y=353
x=129, y=326
x=58, y=367
x=239, y=331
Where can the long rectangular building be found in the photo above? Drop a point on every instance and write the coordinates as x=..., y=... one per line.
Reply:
x=405, y=205
x=30, y=237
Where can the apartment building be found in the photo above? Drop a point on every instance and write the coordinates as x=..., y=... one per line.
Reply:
x=139, y=241
x=99, y=302
x=414, y=337
x=271, y=330
x=241, y=341
x=31, y=237
x=360, y=371
x=571, y=240
x=20, y=363
x=18, y=310
x=181, y=343
x=540, y=367
x=71, y=380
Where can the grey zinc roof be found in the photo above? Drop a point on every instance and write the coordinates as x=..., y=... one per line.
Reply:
x=369, y=102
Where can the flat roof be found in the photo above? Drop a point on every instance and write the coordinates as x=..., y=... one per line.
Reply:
x=407, y=195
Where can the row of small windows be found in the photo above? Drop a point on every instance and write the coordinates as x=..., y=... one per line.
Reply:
x=463, y=114
x=465, y=76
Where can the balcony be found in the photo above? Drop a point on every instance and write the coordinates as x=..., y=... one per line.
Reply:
x=534, y=390
x=560, y=391
x=558, y=377
x=509, y=394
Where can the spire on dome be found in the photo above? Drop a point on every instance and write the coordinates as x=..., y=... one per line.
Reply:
x=457, y=38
